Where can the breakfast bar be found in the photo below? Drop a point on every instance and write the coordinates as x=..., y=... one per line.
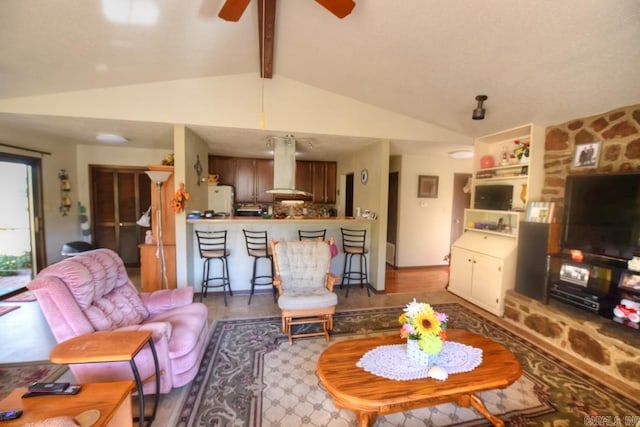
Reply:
x=240, y=263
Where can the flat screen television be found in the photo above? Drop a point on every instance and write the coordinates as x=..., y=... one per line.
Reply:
x=602, y=215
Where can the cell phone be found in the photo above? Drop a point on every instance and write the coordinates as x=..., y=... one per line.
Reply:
x=10, y=415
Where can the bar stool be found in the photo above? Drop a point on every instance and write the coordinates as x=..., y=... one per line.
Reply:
x=213, y=246
x=258, y=248
x=312, y=234
x=353, y=244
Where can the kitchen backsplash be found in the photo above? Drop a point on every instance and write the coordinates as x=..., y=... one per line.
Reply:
x=306, y=209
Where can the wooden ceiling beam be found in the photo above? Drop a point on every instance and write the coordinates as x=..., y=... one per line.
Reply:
x=266, y=33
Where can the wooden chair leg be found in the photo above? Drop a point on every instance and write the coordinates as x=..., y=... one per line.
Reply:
x=289, y=330
x=325, y=326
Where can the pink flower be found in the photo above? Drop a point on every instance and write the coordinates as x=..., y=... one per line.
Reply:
x=407, y=329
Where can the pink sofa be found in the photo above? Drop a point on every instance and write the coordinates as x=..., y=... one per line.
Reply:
x=92, y=292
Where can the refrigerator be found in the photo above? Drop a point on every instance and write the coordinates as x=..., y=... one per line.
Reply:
x=221, y=199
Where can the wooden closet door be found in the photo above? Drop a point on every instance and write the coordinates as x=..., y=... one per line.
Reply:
x=119, y=196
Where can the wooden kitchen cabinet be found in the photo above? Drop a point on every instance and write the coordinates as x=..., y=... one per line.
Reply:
x=324, y=182
x=224, y=167
x=264, y=180
x=253, y=177
x=304, y=176
x=241, y=174
x=331, y=177
x=244, y=180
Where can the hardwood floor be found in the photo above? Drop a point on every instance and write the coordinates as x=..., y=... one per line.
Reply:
x=418, y=279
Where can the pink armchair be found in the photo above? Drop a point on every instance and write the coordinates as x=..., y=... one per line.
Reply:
x=91, y=292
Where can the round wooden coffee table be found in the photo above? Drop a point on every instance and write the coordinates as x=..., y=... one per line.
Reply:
x=369, y=395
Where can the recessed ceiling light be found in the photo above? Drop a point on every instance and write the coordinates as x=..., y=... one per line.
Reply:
x=461, y=154
x=110, y=138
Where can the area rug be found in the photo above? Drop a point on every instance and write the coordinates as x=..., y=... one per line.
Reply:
x=22, y=374
x=4, y=309
x=250, y=376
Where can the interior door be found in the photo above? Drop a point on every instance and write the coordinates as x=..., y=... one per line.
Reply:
x=461, y=201
x=348, y=196
x=22, y=246
x=392, y=218
x=119, y=196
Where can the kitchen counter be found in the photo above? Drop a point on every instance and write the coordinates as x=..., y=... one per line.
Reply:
x=240, y=263
x=287, y=219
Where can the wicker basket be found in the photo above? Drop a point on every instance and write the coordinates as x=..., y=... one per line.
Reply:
x=416, y=354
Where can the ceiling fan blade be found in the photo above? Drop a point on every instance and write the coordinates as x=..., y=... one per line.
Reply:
x=232, y=10
x=340, y=8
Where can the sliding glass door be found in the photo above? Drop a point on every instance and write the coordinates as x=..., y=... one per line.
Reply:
x=21, y=238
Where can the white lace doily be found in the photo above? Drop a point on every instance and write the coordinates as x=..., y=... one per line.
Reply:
x=391, y=361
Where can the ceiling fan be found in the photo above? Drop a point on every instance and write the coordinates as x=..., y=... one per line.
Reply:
x=232, y=10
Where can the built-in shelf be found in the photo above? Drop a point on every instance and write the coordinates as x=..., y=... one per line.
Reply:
x=499, y=223
x=502, y=173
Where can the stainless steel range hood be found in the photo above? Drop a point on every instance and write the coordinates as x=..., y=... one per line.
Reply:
x=284, y=167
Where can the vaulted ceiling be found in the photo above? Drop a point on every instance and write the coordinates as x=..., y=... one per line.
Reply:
x=540, y=61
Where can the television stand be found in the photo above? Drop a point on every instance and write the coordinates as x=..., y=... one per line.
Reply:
x=590, y=284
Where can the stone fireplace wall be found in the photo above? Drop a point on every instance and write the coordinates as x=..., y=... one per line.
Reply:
x=612, y=349
x=619, y=132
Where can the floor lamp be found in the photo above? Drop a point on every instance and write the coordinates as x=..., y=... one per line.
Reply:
x=159, y=177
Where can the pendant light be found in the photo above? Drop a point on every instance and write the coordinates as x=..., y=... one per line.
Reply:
x=478, y=112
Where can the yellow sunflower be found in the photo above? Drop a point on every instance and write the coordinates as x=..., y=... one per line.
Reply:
x=427, y=323
x=402, y=318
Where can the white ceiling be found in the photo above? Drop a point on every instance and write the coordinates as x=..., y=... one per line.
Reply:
x=543, y=61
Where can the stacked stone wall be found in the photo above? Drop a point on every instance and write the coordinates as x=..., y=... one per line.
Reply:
x=609, y=348
x=619, y=134
x=597, y=341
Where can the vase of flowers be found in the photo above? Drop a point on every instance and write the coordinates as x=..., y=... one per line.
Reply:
x=425, y=330
x=522, y=150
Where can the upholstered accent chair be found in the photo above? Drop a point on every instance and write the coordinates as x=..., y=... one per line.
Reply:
x=91, y=292
x=305, y=286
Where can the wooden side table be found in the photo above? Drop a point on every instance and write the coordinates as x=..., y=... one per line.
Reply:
x=112, y=346
x=113, y=400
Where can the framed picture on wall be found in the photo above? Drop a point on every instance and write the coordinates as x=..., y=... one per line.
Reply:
x=541, y=212
x=586, y=155
x=428, y=186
